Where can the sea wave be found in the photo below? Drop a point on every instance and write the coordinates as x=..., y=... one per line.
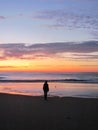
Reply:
x=52, y=80
x=80, y=77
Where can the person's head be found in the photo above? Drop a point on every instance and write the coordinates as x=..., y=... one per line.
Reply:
x=45, y=82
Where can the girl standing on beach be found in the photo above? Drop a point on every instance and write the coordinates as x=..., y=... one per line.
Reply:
x=45, y=89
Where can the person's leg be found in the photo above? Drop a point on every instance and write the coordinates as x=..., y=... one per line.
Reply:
x=45, y=95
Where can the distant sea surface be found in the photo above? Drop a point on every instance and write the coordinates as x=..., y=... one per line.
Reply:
x=89, y=77
x=64, y=84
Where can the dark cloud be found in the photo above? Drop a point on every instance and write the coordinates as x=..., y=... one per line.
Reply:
x=33, y=51
x=53, y=48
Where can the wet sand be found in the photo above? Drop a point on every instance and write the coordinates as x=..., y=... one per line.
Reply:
x=33, y=113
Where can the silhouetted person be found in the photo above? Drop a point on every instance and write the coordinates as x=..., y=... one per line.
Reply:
x=45, y=89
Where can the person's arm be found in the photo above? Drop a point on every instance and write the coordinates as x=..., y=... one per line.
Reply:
x=48, y=87
x=43, y=87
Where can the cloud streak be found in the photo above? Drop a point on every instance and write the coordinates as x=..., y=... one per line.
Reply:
x=11, y=17
x=2, y=17
x=61, y=18
x=68, y=19
x=36, y=51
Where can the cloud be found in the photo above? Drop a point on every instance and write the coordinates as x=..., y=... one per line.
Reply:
x=89, y=65
x=67, y=19
x=2, y=17
x=4, y=67
x=85, y=56
x=11, y=17
x=36, y=51
x=58, y=19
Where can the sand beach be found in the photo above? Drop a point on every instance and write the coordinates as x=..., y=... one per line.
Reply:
x=18, y=112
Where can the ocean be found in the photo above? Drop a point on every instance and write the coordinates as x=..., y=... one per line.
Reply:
x=83, y=84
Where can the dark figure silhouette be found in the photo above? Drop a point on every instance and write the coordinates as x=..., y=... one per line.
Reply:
x=45, y=89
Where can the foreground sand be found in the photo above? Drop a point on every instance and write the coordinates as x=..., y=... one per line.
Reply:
x=33, y=113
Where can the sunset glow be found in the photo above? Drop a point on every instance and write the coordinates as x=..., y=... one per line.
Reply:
x=49, y=35
x=61, y=62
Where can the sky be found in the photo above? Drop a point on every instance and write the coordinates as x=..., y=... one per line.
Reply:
x=49, y=35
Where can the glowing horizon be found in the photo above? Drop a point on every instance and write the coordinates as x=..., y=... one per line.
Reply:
x=49, y=35
x=50, y=57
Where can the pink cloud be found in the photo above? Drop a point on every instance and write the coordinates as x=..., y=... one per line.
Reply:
x=40, y=51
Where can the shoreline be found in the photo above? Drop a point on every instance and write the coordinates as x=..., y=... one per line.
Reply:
x=20, y=112
x=49, y=96
x=56, y=89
